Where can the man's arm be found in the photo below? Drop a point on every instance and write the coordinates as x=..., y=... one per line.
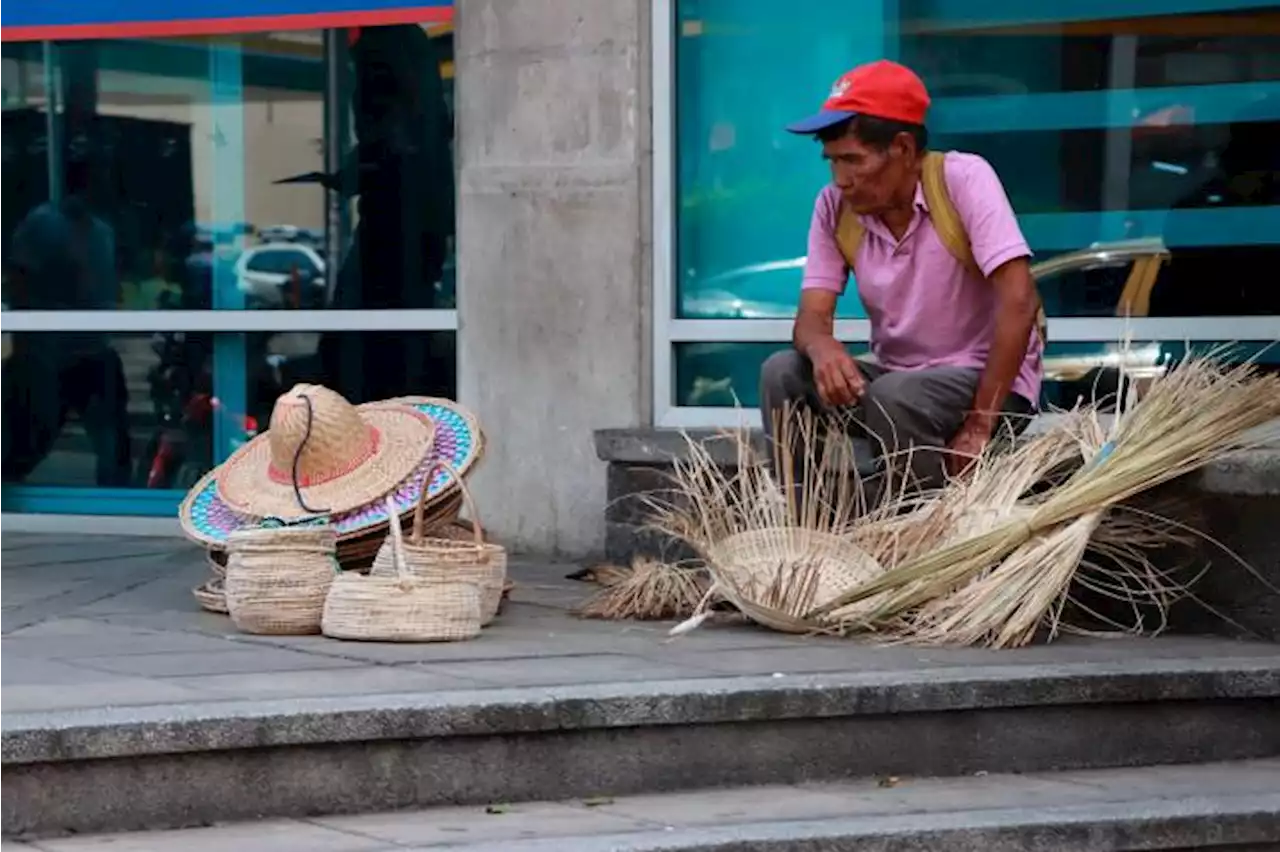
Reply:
x=815, y=320
x=835, y=373
x=825, y=274
x=1016, y=306
x=1003, y=257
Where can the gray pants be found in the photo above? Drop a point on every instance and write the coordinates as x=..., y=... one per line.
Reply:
x=919, y=410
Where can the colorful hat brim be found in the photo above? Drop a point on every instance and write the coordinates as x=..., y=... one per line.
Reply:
x=458, y=441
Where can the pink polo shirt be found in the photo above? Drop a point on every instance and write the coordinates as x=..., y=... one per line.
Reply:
x=926, y=309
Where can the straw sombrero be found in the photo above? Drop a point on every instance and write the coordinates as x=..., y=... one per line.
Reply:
x=323, y=455
x=207, y=519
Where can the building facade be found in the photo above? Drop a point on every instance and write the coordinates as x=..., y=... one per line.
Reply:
x=570, y=215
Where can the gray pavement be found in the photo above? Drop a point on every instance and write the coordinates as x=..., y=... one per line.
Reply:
x=92, y=622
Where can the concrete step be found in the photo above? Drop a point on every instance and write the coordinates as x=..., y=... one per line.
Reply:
x=157, y=766
x=1233, y=806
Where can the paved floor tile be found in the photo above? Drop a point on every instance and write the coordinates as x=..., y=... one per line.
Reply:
x=269, y=836
x=558, y=671
x=120, y=692
x=364, y=680
x=475, y=825
x=27, y=671
x=232, y=660
x=122, y=642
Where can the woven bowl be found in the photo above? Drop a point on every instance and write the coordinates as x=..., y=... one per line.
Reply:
x=777, y=574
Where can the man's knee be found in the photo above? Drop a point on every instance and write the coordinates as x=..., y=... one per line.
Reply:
x=890, y=393
x=784, y=376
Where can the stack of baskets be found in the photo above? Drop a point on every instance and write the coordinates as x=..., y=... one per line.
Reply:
x=442, y=582
x=353, y=553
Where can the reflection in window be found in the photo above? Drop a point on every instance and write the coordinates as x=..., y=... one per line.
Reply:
x=177, y=163
x=1159, y=128
x=138, y=410
x=724, y=375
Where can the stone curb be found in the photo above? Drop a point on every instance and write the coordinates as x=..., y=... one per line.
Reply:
x=30, y=738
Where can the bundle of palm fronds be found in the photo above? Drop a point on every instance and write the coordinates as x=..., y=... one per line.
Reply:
x=1001, y=586
x=649, y=589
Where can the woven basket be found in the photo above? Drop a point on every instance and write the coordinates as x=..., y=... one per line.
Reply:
x=278, y=577
x=775, y=575
x=460, y=555
x=211, y=596
x=425, y=605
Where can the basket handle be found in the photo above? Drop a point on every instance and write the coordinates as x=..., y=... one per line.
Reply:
x=397, y=545
x=468, y=501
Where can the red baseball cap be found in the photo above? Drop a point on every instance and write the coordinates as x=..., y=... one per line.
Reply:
x=882, y=89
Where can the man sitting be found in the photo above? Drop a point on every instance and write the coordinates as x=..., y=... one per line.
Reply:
x=948, y=291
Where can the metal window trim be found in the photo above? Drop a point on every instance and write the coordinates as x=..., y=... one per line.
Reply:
x=662, y=88
x=229, y=321
x=1061, y=329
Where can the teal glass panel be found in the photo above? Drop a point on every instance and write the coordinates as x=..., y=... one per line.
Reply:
x=1153, y=121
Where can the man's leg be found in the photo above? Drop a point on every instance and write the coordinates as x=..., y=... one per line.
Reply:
x=921, y=411
x=97, y=389
x=786, y=389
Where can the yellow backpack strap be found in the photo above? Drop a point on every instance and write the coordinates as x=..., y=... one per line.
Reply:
x=947, y=222
x=849, y=232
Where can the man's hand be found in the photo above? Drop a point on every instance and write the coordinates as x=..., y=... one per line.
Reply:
x=835, y=373
x=967, y=445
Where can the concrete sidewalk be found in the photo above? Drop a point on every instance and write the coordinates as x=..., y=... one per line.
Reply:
x=125, y=707
x=110, y=622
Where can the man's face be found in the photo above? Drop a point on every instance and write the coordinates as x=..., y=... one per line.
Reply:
x=869, y=180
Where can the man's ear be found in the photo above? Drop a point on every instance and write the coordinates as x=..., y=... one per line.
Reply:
x=903, y=146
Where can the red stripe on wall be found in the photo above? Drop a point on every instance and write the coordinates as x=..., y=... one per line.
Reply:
x=224, y=26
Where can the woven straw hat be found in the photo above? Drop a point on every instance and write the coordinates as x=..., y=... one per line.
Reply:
x=339, y=456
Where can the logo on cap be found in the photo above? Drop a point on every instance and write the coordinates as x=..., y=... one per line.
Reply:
x=839, y=87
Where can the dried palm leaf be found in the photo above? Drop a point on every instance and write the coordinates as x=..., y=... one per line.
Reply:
x=998, y=587
x=650, y=590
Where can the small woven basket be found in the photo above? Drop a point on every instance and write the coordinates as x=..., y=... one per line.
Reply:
x=775, y=575
x=278, y=576
x=465, y=556
x=425, y=605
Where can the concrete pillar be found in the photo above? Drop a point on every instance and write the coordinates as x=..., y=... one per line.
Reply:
x=553, y=254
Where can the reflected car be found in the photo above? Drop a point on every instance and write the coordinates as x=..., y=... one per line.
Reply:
x=282, y=275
